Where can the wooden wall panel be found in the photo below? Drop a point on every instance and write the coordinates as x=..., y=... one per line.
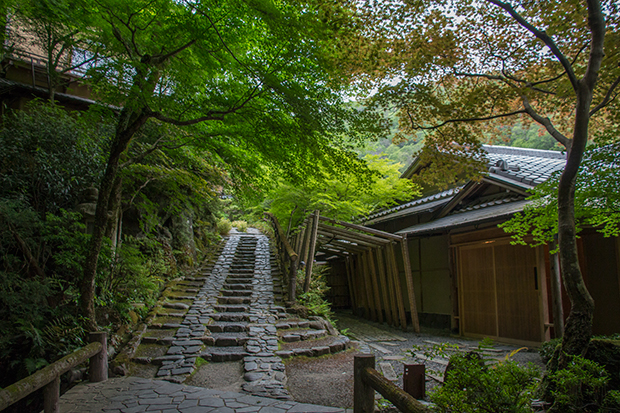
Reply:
x=518, y=284
x=478, y=315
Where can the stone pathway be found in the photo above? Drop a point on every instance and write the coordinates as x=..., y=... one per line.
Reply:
x=133, y=394
x=230, y=311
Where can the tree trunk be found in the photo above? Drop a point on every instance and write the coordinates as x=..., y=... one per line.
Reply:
x=129, y=123
x=578, y=329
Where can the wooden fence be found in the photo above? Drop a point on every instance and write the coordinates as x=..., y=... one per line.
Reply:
x=367, y=380
x=49, y=377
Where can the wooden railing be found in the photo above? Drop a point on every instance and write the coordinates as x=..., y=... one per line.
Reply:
x=288, y=256
x=367, y=380
x=49, y=377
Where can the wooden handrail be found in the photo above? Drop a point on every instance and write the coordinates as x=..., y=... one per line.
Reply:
x=367, y=380
x=289, y=249
x=49, y=377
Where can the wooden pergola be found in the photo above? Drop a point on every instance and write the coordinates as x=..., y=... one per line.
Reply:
x=371, y=267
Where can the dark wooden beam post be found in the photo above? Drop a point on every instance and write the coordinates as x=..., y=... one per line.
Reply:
x=363, y=393
x=397, y=289
x=375, y=284
x=384, y=285
x=311, y=250
x=368, y=287
x=347, y=264
x=385, y=267
x=409, y=278
x=98, y=366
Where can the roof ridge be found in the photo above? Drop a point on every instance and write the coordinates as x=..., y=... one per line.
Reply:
x=512, y=150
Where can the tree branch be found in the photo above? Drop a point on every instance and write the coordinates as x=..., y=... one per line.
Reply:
x=546, y=122
x=608, y=98
x=157, y=60
x=211, y=115
x=463, y=120
x=546, y=39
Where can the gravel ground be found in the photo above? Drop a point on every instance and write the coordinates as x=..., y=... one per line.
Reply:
x=328, y=380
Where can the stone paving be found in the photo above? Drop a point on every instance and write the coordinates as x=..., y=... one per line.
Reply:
x=133, y=394
x=229, y=311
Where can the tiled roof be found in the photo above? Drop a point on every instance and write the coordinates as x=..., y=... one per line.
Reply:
x=529, y=166
x=477, y=216
x=409, y=206
x=488, y=201
x=523, y=167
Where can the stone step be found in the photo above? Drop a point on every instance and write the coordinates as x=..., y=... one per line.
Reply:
x=234, y=300
x=303, y=335
x=231, y=317
x=226, y=339
x=228, y=327
x=231, y=308
x=238, y=286
x=236, y=293
x=237, y=277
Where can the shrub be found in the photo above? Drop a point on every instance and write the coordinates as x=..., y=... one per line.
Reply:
x=223, y=226
x=471, y=386
x=548, y=348
x=314, y=300
x=580, y=387
x=241, y=226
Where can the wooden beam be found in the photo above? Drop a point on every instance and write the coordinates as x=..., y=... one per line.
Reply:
x=385, y=287
x=375, y=285
x=409, y=278
x=358, y=278
x=391, y=288
x=354, y=235
x=347, y=266
x=363, y=228
x=341, y=237
x=354, y=248
x=397, y=289
x=289, y=250
x=315, y=224
x=368, y=287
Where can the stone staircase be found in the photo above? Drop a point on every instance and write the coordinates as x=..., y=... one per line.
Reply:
x=230, y=312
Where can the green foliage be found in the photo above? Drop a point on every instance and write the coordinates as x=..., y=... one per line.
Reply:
x=314, y=300
x=344, y=195
x=473, y=387
x=241, y=226
x=596, y=200
x=548, y=348
x=35, y=148
x=224, y=226
x=136, y=275
x=580, y=387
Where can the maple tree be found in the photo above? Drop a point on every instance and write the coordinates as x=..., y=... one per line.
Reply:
x=455, y=67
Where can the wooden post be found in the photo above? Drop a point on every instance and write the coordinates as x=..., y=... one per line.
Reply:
x=359, y=285
x=292, y=283
x=409, y=278
x=363, y=394
x=51, y=396
x=556, y=292
x=391, y=289
x=384, y=286
x=309, y=264
x=368, y=287
x=306, y=241
x=299, y=241
x=350, y=281
x=375, y=284
x=397, y=290
x=98, y=368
